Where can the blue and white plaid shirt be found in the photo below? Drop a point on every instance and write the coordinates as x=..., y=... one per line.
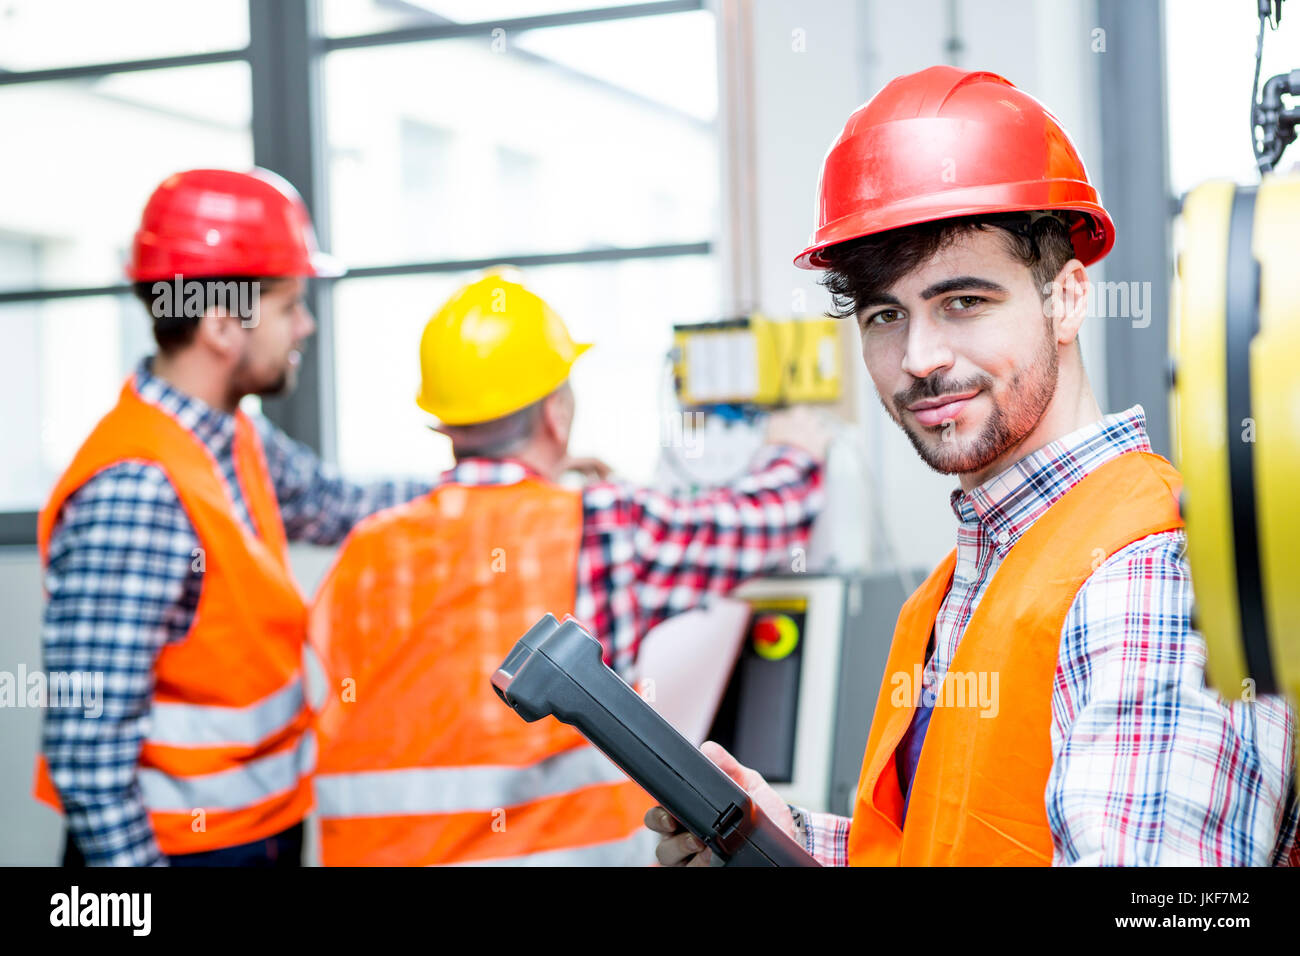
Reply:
x=1150, y=767
x=121, y=587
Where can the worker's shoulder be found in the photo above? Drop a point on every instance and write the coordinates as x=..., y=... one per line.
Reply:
x=1148, y=576
x=126, y=490
x=128, y=504
x=1157, y=468
x=1161, y=552
x=607, y=496
x=408, y=516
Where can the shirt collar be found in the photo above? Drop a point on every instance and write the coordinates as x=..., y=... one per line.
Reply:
x=1006, y=505
x=213, y=427
x=489, y=471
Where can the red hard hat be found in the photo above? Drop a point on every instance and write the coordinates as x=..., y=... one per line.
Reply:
x=944, y=143
x=216, y=222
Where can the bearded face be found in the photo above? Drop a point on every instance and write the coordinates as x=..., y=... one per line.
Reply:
x=964, y=358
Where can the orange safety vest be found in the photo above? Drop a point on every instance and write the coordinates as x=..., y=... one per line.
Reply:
x=228, y=748
x=420, y=761
x=978, y=794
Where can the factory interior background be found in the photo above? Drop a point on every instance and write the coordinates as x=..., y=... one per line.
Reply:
x=649, y=167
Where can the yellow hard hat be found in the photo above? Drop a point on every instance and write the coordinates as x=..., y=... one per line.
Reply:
x=492, y=349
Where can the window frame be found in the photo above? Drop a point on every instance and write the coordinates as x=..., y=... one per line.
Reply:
x=285, y=55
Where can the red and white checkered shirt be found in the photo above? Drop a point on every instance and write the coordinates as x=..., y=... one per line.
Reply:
x=646, y=555
x=1150, y=767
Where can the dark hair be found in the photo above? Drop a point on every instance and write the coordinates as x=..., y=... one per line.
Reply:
x=174, y=322
x=861, y=269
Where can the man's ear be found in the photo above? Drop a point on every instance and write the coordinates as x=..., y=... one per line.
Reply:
x=1067, y=302
x=220, y=332
x=557, y=414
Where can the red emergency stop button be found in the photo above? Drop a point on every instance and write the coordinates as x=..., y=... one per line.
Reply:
x=775, y=636
x=765, y=631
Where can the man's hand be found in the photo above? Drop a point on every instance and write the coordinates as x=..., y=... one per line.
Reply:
x=680, y=848
x=801, y=426
x=590, y=468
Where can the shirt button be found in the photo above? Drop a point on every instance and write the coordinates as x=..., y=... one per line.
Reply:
x=1003, y=537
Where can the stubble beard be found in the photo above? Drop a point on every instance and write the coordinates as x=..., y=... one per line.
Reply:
x=243, y=382
x=1030, y=392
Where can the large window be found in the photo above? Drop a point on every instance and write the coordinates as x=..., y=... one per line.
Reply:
x=574, y=142
x=88, y=151
x=624, y=307
x=584, y=152
x=86, y=142
x=45, y=34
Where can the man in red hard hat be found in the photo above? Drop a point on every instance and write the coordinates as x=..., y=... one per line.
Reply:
x=165, y=550
x=1044, y=700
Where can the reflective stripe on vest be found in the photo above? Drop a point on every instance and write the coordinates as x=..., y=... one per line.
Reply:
x=250, y=783
x=313, y=672
x=977, y=794
x=636, y=850
x=194, y=725
x=460, y=789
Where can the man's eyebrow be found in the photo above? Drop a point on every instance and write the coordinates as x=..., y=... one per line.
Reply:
x=878, y=298
x=937, y=289
x=961, y=282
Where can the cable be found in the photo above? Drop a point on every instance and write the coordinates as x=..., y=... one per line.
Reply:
x=852, y=436
x=1268, y=111
x=1254, y=89
x=667, y=452
x=790, y=363
x=670, y=454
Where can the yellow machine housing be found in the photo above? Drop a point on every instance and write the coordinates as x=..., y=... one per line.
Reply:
x=1235, y=401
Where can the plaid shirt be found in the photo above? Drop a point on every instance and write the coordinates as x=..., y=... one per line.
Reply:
x=121, y=587
x=1149, y=766
x=646, y=555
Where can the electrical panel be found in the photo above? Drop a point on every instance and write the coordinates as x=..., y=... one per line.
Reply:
x=757, y=361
